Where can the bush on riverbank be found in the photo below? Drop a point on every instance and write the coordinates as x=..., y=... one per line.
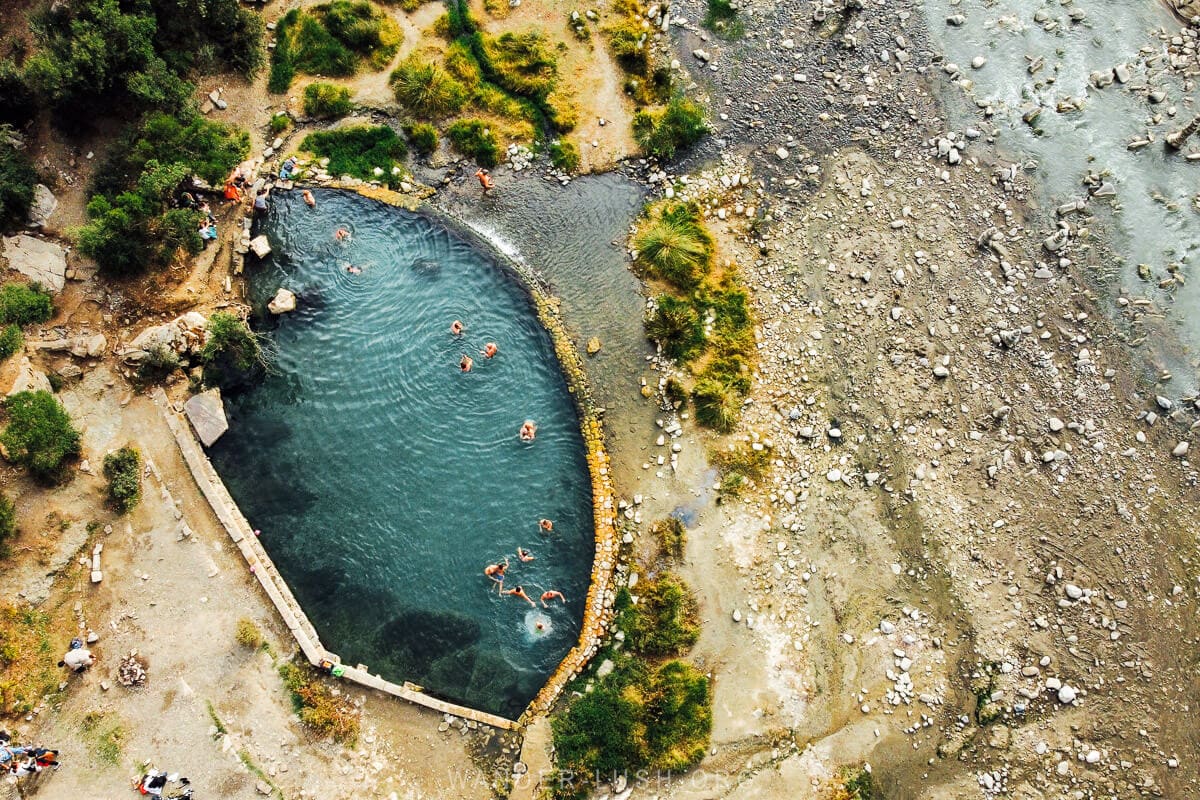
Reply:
x=564, y=155
x=17, y=178
x=24, y=304
x=674, y=246
x=663, y=133
x=474, y=139
x=11, y=341
x=856, y=784
x=39, y=435
x=671, y=536
x=427, y=90
x=665, y=621
x=233, y=356
x=359, y=151
x=334, y=40
x=327, y=100
x=100, y=55
x=676, y=325
x=318, y=707
x=123, y=469
x=423, y=137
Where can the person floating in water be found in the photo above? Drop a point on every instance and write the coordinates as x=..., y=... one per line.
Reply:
x=341, y=234
x=552, y=595
x=496, y=572
x=309, y=199
x=466, y=363
x=489, y=350
x=519, y=591
x=485, y=180
x=546, y=525
x=528, y=430
x=353, y=270
x=524, y=554
x=456, y=328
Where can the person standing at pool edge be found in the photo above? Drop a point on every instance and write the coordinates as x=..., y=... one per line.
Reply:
x=485, y=180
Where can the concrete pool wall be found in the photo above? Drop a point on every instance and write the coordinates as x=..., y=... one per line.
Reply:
x=598, y=607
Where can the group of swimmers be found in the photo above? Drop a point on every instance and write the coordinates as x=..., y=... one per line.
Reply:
x=528, y=428
x=497, y=573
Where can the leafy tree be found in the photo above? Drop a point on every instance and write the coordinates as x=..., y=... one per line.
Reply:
x=209, y=35
x=39, y=435
x=17, y=178
x=10, y=341
x=123, y=468
x=207, y=149
x=24, y=304
x=8, y=524
x=232, y=356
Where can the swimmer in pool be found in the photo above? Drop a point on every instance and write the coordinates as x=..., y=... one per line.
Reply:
x=524, y=554
x=353, y=270
x=520, y=592
x=466, y=363
x=552, y=595
x=496, y=572
x=528, y=430
x=341, y=234
x=456, y=328
x=489, y=350
x=546, y=525
x=309, y=199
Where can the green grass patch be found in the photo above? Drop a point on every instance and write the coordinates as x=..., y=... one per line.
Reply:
x=359, y=151
x=740, y=465
x=8, y=531
x=474, y=139
x=423, y=137
x=665, y=621
x=673, y=245
x=327, y=100
x=216, y=720
x=675, y=325
x=123, y=469
x=722, y=19
x=318, y=707
x=39, y=435
x=279, y=123
x=334, y=40
x=564, y=155
x=106, y=737
x=247, y=634
x=856, y=784
x=671, y=536
x=28, y=659
x=665, y=132
x=427, y=90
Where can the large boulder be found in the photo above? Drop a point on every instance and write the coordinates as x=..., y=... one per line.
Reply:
x=42, y=261
x=29, y=379
x=79, y=346
x=206, y=412
x=44, y=204
x=184, y=335
x=283, y=302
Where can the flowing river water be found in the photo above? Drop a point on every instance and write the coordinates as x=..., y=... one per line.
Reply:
x=384, y=479
x=1037, y=55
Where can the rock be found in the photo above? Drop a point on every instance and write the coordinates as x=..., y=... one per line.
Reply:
x=182, y=335
x=260, y=246
x=887, y=628
x=206, y=412
x=701, y=55
x=44, y=204
x=1073, y=591
x=89, y=346
x=1066, y=694
x=29, y=379
x=37, y=259
x=1180, y=450
x=941, y=371
x=605, y=669
x=262, y=787
x=283, y=302
x=1163, y=402
x=1122, y=72
x=978, y=62
x=1055, y=424
x=956, y=20
x=593, y=346
x=1092, y=757
x=781, y=153
x=1056, y=241
x=834, y=475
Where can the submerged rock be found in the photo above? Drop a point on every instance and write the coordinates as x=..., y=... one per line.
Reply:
x=206, y=412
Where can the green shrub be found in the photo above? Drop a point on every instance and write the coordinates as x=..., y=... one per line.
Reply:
x=718, y=405
x=332, y=39
x=318, y=707
x=662, y=133
x=423, y=136
x=279, y=123
x=24, y=304
x=673, y=245
x=561, y=111
x=207, y=149
x=856, y=785
x=671, y=536
x=11, y=341
x=17, y=178
x=233, y=356
x=474, y=139
x=248, y=634
x=406, y=5
x=209, y=36
x=564, y=155
x=665, y=621
x=522, y=63
x=426, y=90
x=327, y=100
x=17, y=102
x=360, y=150
x=39, y=435
x=676, y=327
x=638, y=718
x=8, y=527
x=123, y=468
x=137, y=229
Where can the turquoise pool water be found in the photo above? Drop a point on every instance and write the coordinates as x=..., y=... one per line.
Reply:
x=384, y=479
